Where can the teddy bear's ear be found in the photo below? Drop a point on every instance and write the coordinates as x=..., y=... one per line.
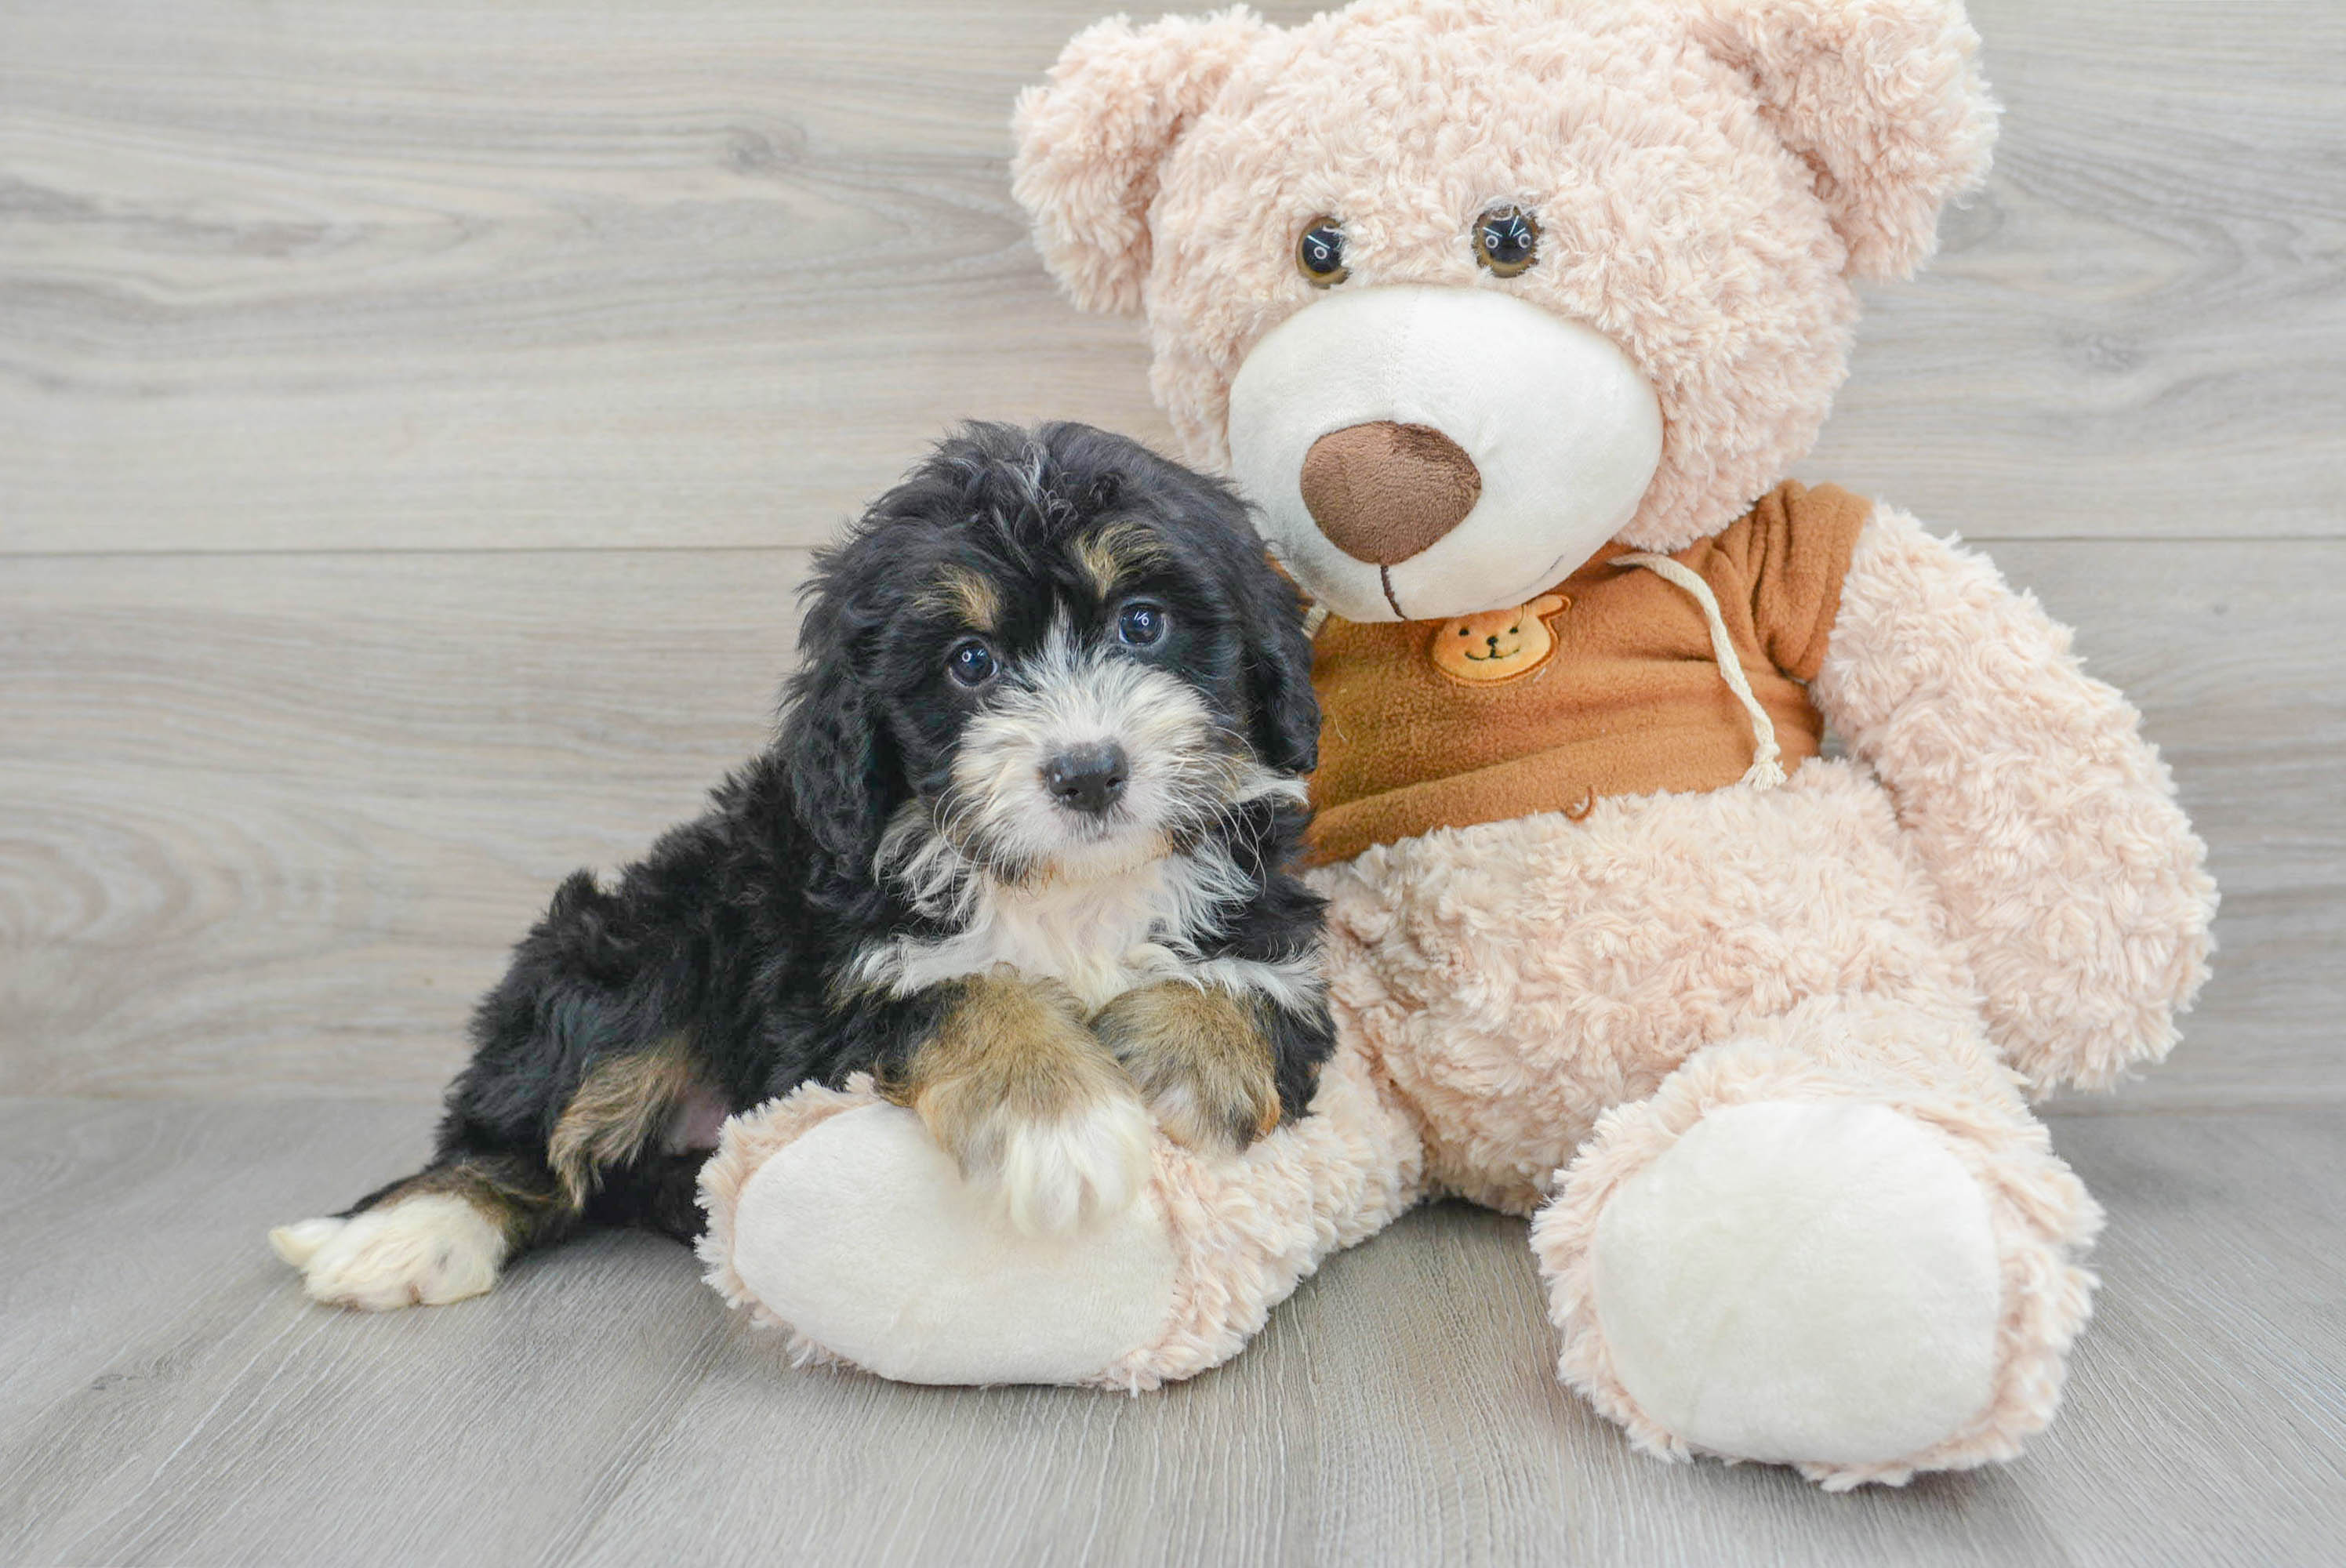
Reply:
x=1091, y=139
x=1884, y=99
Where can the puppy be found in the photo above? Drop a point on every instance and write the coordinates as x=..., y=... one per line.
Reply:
x=1020, y=850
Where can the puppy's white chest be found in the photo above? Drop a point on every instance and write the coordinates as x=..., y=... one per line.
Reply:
x=1099, y=937
x=1086, y=937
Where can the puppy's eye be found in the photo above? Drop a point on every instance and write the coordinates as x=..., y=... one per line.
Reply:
x=970, y=662
x=1141, y=624
x=1319, y=253
x=1506, y=240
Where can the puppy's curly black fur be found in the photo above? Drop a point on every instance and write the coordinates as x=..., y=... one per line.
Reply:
x=1020, y=849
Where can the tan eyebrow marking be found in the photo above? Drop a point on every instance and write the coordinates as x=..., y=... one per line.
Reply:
x=1111, y=554
x=958, y=591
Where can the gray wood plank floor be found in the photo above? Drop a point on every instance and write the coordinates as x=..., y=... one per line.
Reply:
x=413, y=422
x=167, y=1396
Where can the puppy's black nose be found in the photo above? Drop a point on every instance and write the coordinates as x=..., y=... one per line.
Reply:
x=1086, y=778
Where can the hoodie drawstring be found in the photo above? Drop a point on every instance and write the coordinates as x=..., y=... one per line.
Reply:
x=1767, y=770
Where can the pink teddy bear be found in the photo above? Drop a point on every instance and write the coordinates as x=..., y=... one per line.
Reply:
x=1488, y=304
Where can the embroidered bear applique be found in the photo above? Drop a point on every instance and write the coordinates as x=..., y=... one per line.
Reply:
x=1497, y=645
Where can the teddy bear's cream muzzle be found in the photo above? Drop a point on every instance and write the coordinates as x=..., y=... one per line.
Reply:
x=1420, y=452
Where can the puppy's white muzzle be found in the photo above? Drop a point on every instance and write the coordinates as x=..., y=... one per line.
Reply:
x=1067, y=702
x=1551, y=437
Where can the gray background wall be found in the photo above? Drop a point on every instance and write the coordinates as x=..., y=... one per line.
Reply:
x=413, y=420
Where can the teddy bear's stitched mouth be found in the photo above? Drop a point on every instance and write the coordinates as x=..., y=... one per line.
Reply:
x=1493, y=656
x=1384, y=581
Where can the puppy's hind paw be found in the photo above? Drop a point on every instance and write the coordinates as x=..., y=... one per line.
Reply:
x=422, y=1251
x=1076, y=1169
x=299, y=1242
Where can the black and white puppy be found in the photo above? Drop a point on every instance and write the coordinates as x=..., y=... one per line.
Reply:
x=1021, y=850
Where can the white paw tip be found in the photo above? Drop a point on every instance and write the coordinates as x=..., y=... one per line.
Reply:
x=1060, y=1175
x=424, y=1251
x=299, y=1242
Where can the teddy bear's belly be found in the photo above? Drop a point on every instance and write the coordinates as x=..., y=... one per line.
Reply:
x=1518, y=978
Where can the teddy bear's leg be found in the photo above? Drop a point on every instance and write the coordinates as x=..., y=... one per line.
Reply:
x=1842, y=1242
x=834, y=1217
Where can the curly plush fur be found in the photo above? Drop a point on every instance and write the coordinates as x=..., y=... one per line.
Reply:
x=1756, y=1060
x=1708, y=178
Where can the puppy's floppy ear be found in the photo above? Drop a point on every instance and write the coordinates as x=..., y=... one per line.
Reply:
x=838, y=759
x=1091, y=140
x=1882, y=97
x=1283, y=725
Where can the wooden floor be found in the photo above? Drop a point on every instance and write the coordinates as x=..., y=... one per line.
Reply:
x=172, y=1402
x=413, y=421
x=166, y=1398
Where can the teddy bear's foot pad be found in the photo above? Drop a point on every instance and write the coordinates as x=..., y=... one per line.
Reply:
x=862, y=1237
x=1802, y=1283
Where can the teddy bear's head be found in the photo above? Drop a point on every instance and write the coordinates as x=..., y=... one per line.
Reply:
x=1460, y=290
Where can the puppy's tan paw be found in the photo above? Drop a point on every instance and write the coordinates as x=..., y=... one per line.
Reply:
x=1015, y=1088
x=422, y=1251
x=1199, y=1059
x=1211, y=1114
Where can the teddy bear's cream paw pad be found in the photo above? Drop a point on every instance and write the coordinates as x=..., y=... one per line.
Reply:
x=423, y=1251
x=1802, y=1282
x=862, y=1235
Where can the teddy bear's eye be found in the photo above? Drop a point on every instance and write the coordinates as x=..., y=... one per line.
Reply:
x=1319, y=253
x=1506, y=240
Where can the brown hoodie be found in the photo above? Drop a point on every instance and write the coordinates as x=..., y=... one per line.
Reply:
x=1606, y=685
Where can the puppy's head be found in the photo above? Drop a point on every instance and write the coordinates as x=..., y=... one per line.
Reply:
x=1047, y=652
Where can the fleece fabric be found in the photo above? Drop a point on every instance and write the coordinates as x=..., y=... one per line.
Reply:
x=1614, y=690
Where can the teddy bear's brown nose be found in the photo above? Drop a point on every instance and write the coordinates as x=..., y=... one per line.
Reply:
x=1382, y=491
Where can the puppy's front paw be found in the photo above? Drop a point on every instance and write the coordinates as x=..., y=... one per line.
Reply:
x=1199, y=1058
x=1015, y=1088
x=1085, y=1166
x=422, y=1251
x=1080, y=1156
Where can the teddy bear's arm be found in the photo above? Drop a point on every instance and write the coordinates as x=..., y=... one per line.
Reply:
x=2072, y=880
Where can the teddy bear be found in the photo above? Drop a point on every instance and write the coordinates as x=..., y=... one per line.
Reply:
x=1509, y=317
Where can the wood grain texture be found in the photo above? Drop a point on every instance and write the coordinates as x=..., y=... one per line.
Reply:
x=531, y=274
x=269, y=823
x=276, y=820
x=518, y=275
x=2139, y=327
x=601, y=1408
x=196, y=1407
